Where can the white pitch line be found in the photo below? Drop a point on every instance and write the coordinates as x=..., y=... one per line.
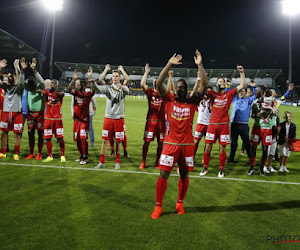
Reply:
x=146, y=173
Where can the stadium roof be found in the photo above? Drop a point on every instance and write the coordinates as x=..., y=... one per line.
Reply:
x=12, y=47
x=178, y=72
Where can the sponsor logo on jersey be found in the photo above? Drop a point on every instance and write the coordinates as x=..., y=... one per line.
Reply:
x=268, y=138
x=4, y=125
x=148, y=134
x=181, y=113
x=210, y=136
x=104, y=133
x=60, y=131
x=18, y=126
x=189, y=161
x=166, y=160
x=47, y=132
x=224, y=138
x=119, y=135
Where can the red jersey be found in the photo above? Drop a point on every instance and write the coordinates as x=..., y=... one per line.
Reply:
x=220, y=105
x=53, y=105
x=156, y=111
x=81, y=105
x=2, y=93
x=179, y=119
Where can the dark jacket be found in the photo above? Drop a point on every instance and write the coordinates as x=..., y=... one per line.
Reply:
x=282, y=133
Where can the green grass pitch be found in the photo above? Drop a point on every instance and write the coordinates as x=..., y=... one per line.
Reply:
x=66, y=206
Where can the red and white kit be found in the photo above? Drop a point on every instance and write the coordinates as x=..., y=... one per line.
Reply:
x=218, y=127
x=155, y=125
x=178, y=143
x=53, y=117
x=81, y=113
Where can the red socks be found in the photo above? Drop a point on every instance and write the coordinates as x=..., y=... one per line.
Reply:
x=62, y=147
x=206, y=159
x=102, y=158
x=118, y=157
x=17, y=149
x=161, y=187
x=85, y=149
x=263, y=163
x=3, y=150
x=40, y=147
x=222, y=160
x=183, y=187
x=145, y=151
x=252, y=161
x=49, y=148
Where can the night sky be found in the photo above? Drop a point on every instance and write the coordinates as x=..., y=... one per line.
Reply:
x=253, y=33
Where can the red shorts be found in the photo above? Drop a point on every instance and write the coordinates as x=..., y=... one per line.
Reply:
x=155, y=129
x=218, y=131
x=258, y=134
x=53, y=127
x=200, y=131
x=182, y=154
x=35, y=120
x=81, y=128
x=114, y=128
x=11, y=121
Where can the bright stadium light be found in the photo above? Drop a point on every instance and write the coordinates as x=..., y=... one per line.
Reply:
x=54, y=5
x=290, y=7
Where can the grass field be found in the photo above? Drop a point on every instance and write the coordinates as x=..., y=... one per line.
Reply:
x=67, y=206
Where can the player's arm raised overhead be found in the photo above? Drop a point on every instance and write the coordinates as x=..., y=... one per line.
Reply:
x=37, y=75
x=170, y=85
x=126, y=77
x=145, y=76
x=202, y=80
x=24, y=65
x=17, y=67
x=3, y=64
x=70, y=88
x=242, y=85
x=174, y=60
x=102, y=76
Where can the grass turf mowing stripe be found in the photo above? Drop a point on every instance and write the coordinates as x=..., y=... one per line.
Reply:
x=148, y=173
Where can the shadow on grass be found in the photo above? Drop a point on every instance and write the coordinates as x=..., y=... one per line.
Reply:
x=254, y=207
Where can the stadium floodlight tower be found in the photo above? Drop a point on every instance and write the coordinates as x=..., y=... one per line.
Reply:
x=53, y=6
x=290, y=8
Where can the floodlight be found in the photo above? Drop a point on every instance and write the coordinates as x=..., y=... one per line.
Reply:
x=290, y=7
x=54, y=5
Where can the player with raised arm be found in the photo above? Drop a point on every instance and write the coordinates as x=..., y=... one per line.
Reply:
x=178, y=144
x=36, y=106
x=155, y=125
x=218, y=127
x=53, y=123
x=82, y=99
x=11, y=116
x=115, y=111
x=261, y=131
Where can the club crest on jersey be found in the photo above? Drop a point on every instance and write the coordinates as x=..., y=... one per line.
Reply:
x=181, y=113
x=156, y=101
